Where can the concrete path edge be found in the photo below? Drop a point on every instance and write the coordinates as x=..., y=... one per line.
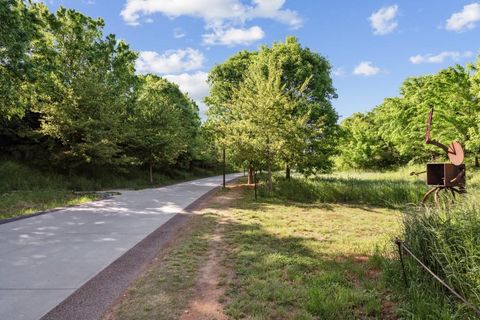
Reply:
x=97, y=295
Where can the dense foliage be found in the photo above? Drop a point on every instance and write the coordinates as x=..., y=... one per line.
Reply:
x=272, y=107
x=393, y=132
x=70, y=98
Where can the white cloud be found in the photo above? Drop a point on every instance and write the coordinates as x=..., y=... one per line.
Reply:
x=225, y=19
x=465, y=19
x=440, y=58
x=383, y=21
x=195, y=84
x=214, y=12
x=178, y=33
x=172, y=61
x=366, y=68
x=233, y=36
x=272, y=9
x=339, y=72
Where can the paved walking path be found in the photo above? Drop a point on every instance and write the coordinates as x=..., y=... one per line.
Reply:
x=44, y=259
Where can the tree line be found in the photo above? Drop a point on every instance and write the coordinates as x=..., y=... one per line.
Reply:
x=70, y=97
x=272, y=108
x=392, y=134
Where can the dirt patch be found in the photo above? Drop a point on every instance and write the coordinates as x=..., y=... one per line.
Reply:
x=374, y=273
x=187, y=277
x=213, y=275
x=388, y=310
x=174, y=240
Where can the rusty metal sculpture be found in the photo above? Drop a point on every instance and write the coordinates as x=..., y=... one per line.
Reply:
x=444, y=176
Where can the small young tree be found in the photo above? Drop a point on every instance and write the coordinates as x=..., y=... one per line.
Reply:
x=262, y=114
x=225, y=80
x=157, y=134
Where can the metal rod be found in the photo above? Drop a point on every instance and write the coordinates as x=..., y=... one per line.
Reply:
x=471, y=305
x=400, y=253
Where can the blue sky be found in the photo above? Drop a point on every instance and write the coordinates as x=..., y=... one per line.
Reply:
x=372, y=45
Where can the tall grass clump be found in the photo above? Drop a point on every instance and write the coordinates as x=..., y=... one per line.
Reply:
x=447, y=240
x=358, y=189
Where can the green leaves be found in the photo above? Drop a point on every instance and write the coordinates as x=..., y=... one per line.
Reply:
x=87, y=83
x=160, y=124
x=394, y=132
x=17, y=31
x=274, y=105
x=68, y=91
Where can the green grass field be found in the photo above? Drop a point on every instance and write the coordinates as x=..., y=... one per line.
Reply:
x=322, y=248
x=304, y=259
x=313, y=248
x=390, y=190
x=307, y=261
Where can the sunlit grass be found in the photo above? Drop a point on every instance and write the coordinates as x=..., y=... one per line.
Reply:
x=20, y=203
x=446, y=239
x=304, y=261
x=369, y=189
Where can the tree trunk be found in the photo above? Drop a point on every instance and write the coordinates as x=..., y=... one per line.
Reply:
x=270, y=185
x=255, y=184
x=269, y=164
x=250, y=174
x=151, y=172
x=477, y=164
x=287, y=172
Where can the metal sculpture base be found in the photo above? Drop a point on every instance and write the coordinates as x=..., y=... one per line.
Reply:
x=436, y=190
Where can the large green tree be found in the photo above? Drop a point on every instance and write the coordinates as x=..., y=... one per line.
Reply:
x=70, y=98
x=261, y=115
x=320, y=130
x=308, y=148
x=362, y=145
x=225, y=80
x=394, y=132
x=18, y=29
x=86, y=88
x=448, y=93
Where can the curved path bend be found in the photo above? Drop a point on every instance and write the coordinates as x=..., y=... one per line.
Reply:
x=46, y=258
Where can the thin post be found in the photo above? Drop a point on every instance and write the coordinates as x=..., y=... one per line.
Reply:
x=255, y=183
x=223, y=168
x=400, y=253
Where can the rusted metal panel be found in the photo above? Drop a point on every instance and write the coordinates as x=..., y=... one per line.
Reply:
x=445, y=175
